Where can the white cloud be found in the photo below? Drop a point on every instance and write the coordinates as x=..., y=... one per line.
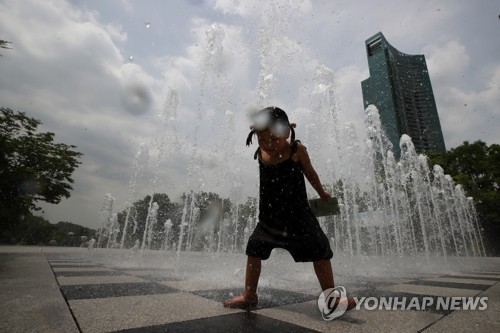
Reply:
x=257, y=8
x=349, y=94
x=68, y=69
x=466, y=113
x=446, y=62
x=127, y=6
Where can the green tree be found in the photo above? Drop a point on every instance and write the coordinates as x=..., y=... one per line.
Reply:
x=34, y=230
x=138, y=213
x=70, y=234
x=32, y=168
x=476, y=167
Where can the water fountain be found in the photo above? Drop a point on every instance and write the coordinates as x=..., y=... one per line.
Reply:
x=105, y=220
x=140, y=163
x=388, y=207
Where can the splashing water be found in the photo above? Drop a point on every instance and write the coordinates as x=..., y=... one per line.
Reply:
x=105, y=218
x=388, y=208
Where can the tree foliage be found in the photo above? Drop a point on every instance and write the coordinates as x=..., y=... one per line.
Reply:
x=32, y=167
x=35, y=230
x=138, y=214
x=476, y=167
x=70, y=234
x=212, y=209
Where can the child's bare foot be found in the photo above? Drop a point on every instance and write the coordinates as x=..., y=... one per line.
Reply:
x=242, y=302
x=351, y=302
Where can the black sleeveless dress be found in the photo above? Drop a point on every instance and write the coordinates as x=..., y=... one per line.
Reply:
x=285, y=218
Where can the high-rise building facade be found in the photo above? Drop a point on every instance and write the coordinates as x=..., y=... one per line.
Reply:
x=400, y=87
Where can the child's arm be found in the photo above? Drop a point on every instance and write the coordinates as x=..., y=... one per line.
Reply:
x=309, y=171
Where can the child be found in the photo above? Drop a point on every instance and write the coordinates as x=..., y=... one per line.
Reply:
x=285, y=218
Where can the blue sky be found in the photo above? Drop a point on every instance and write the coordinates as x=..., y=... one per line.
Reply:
x=70, y=67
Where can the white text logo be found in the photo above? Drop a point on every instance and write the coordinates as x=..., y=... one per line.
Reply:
x=423, y=303
x=332, y=303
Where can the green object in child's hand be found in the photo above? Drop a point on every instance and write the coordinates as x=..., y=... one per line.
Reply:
x=321, y=207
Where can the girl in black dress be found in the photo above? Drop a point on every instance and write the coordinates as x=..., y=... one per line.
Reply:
x=285, y=218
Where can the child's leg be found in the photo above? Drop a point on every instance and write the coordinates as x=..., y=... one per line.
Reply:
x=249, y=297
x=324, y=272
x=252, y=275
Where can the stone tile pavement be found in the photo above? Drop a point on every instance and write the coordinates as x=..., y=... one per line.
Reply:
x=51, y=291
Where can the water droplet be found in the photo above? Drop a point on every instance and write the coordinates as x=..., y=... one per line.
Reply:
x=131, y=58
x=147, y=24
x=136, y=98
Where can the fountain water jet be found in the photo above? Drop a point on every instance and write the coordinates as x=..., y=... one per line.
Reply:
x=388, y=207
x=105, y=216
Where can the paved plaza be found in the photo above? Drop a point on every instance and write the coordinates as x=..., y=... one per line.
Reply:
x=50, y=289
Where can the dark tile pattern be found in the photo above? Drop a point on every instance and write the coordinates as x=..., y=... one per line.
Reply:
x=90, y=272
x=91, y=291
x=52, y=261
x=160, y=278
x=75, y=265
x=268, y=297
x=369, y=284
x=485, y=273
x=446, y=284
x=65, y=257
x=143, y=269
x=242, y=322
x=472, y=277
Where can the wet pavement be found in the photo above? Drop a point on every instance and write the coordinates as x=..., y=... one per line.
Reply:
x=73, y=290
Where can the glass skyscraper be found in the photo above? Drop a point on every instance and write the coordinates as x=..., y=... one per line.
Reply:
x=400, y=87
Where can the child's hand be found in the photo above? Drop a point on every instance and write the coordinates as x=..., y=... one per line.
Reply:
x=325, y=196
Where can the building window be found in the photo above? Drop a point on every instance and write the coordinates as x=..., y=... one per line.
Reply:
x=374, y=45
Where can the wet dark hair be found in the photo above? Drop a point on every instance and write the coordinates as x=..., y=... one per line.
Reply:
x=268, y=118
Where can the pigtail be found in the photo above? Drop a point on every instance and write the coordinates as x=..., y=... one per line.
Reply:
x=249, y=137
x=292, y=136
